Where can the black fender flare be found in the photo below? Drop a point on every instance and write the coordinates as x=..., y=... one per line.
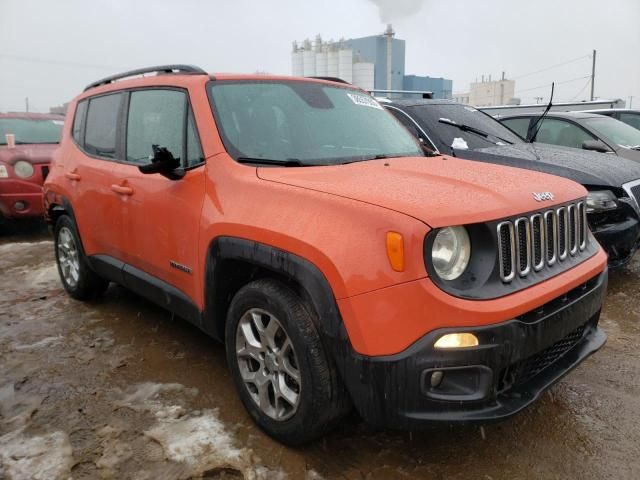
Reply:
x=285, y=264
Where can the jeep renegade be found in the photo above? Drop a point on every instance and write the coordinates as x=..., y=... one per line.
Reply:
x=298, y=222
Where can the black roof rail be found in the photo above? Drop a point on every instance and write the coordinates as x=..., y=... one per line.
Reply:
x=140, y=71
x=331, y=79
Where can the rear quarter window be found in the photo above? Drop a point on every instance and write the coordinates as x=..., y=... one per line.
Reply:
x=78, y=122
x=518, y=125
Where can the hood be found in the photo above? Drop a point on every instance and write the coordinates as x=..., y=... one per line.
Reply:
x=582, y=166
x=439, y=191
x=35, y=153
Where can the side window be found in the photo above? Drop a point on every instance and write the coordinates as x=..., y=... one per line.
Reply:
x=78, y=122
x=194, y=150
x=560, y=132
x=632, y=119
x=101, y=125
x=518, y=125
x=156, y=117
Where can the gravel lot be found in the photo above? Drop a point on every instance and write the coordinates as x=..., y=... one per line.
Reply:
x=120, y=389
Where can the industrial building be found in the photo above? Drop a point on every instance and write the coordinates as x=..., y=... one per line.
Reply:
x=376, y=62
x=488, y=93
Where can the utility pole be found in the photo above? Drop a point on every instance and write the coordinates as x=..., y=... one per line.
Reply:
x=593, y=74
x=26, y=104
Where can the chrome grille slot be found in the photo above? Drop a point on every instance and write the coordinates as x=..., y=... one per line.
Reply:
x=551, y=226
x=537, y=242
x=541, y=240
x=573, y=229
x=584, y=226
x=506, y=251
x=523, y=246
x=563, y=233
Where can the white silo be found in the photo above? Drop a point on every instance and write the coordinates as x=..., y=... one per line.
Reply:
x=297, y=69
x=345, y=64
x=322, y=62
x=308, y=60
x=363, y=75
x=332, y=61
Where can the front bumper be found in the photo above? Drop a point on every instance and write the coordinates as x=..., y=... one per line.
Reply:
x=514, y=363
x=21, y=198
x=620, y=240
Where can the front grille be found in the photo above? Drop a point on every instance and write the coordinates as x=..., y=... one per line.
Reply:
x=540, y=240
x=524, y=370
x=635, y=191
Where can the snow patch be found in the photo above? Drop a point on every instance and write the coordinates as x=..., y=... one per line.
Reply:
x=35, y=458
x=196, y=440
x=459, y=144
x=45, y=342
x=18, y=247
x=42, y=276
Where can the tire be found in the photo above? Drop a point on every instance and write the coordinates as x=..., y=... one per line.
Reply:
x=76, y=276
x=321, y=398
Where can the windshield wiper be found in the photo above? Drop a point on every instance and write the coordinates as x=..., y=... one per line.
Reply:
x=533, y=130
x=468, y=128
x=289, y=162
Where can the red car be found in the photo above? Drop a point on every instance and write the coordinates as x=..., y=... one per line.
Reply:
x=27, y=141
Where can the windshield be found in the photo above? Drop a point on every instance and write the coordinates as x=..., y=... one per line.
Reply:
x=307, y=122
x=429, y=115
x=614, y=130
x=29, y=130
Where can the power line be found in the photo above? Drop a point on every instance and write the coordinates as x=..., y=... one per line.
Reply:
x=21, y=58
x=552, y=67
x=581, y=90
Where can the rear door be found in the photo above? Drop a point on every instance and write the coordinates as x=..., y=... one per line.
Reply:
x=91, y=169
x=163, y=233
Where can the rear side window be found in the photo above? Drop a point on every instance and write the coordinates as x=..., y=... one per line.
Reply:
x=156, y=117
x=518, y=125
x=102, y=122
x=78, y=121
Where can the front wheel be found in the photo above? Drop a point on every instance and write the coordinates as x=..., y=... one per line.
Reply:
x=282, y=373
x=77, y=278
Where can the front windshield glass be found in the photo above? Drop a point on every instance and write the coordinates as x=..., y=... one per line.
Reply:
x=308, y=122
x=429, y=115
x=27, y=130
x=614, y=130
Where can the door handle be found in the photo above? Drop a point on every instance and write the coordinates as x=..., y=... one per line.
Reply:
x=72, y=175
x=122, y=190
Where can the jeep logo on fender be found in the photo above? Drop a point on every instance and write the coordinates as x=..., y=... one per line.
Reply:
x=543, y=196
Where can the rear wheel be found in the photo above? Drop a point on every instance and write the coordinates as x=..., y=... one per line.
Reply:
x=283, y=375
x=77, y=278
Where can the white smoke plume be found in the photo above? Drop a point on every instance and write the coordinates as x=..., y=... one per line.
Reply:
x=393, y=10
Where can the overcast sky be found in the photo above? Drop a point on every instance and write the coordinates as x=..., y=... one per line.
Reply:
x=49, y=50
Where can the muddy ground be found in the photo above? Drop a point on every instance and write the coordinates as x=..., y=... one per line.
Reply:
x=120, y=389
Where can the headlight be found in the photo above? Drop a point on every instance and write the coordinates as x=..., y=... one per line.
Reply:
x=451, y=252
x=3, y=172
x=601, y=201
x=23, y=169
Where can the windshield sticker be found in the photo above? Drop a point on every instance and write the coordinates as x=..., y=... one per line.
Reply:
x=58, y=122
x=364, y=101
x=459, y=144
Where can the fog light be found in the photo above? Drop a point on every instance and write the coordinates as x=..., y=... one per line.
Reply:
x=19, y=206
x=436, y=378
x=457, y=340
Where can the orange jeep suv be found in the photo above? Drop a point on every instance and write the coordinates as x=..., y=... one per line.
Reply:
x=298, y=222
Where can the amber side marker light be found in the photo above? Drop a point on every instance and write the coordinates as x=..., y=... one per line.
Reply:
x=395, y=251
x=457, y=340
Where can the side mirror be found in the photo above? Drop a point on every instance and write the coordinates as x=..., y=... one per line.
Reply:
x=595, y=145
x=164, y=163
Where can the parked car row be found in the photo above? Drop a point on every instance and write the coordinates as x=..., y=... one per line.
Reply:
x=443, y=277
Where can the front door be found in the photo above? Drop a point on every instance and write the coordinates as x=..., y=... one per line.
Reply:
x=164, y=222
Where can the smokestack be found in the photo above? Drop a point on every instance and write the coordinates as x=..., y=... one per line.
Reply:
x=389, y=33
